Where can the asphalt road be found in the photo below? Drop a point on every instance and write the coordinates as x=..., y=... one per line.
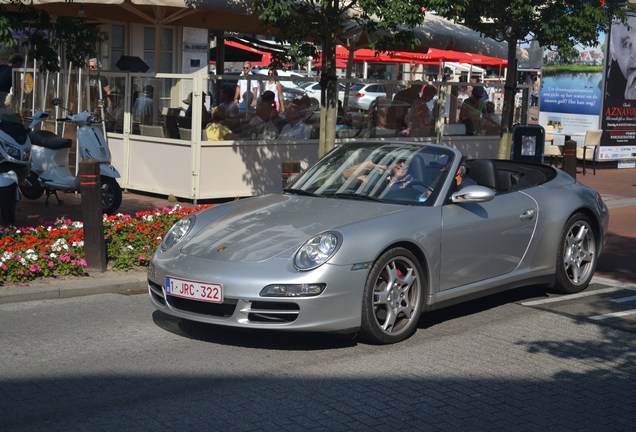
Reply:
x=111, y=362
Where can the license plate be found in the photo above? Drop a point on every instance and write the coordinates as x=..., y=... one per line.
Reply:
x=193, y=290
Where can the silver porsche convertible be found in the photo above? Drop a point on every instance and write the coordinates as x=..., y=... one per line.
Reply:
x=375, y=234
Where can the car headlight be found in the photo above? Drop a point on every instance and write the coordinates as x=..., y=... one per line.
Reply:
x=178, y=231
x=316, y=251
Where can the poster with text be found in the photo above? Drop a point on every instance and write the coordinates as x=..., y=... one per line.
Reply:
x=572, y=92
x=619, y=105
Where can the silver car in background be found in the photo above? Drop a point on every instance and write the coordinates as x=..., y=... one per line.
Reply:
x=375, y=234
x=364, y=96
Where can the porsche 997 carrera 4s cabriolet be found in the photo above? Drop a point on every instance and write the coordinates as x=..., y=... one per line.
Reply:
x=375, y=234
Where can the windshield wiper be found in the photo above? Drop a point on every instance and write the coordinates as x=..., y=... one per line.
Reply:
x=300, y=192
x=352, y=195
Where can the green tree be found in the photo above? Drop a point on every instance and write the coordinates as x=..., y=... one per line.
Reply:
x=67, y=38
x=384, y=24
x=558, y=25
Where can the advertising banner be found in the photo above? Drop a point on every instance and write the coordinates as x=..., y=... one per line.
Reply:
x=619, y=106
x=572, y=92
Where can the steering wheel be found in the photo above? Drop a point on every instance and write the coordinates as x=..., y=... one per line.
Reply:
x=414, y=190
x=422, y=187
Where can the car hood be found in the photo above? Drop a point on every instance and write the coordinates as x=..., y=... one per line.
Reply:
x=256, y=229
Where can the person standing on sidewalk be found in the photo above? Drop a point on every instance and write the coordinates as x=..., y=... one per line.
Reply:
x=244, y=96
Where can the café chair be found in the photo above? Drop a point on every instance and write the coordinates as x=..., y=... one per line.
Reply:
x=152, y=131
x=587, y=152
x=549, y=134
x=553, y=153
x=451, y=129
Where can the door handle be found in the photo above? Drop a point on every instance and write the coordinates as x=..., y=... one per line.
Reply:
x=528, y=215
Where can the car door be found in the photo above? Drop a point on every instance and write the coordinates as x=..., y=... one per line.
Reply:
x=484, y=240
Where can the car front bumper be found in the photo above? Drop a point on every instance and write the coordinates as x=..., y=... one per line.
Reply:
x=336, y=309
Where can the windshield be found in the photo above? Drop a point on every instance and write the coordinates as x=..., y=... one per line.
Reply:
x=402, y=173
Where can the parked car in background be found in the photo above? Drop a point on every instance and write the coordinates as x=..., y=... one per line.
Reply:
x=292, y=83
x=313, y=90
x=362, y=96
x=290, y=94
x=374, y=235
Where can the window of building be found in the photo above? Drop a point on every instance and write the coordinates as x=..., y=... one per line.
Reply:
x=166, y=54
x=117, y=44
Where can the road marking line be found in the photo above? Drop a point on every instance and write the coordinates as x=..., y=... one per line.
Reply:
x=613, y=315
x=574, y=296
x=611, y=282
x=624, y=299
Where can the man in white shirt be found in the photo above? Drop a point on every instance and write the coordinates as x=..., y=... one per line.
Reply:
x=295, y=127
x=243, y=97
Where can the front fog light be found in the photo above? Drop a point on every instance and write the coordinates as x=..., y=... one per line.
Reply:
x=293, y=290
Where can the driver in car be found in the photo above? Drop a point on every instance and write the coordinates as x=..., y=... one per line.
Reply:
x=400, y=177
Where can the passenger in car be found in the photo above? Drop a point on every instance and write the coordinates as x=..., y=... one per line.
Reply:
x=462, y=180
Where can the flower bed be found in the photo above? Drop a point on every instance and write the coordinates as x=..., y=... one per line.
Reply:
x=58, y=249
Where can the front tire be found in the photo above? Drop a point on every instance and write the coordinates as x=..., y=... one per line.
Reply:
x=392, y=299
x=577, y=256
x=111, y=195
x=31, y=188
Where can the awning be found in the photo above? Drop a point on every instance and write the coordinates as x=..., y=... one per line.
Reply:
x=433, y=56
x=236, y=16
x=440, y=33
x=464, y=67
x=235, y=52
x=215, y=15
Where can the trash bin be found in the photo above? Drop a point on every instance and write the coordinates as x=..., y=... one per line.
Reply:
x=528, y=141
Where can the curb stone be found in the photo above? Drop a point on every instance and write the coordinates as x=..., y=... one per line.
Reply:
x=131, y=282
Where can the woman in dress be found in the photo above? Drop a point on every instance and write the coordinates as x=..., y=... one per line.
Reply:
x=277, y=88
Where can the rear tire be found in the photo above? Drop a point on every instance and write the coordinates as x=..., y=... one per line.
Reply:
x=30, y=187
x=111, y=195
x=577, y=255
x=392, y=299
x=8, y=203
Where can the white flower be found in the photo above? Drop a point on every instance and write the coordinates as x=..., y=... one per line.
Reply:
x=59, y=245
x=129, y=247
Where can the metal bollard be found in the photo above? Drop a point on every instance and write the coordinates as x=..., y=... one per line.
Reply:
x=569, y=156
x=90, y=188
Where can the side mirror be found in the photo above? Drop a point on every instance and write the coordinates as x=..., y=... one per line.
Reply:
x=473, y=194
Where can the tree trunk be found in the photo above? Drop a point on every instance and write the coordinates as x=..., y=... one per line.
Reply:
x=510, y=90
x=329, y=85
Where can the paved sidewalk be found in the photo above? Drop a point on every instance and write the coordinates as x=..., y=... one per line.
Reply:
x=618, y=261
